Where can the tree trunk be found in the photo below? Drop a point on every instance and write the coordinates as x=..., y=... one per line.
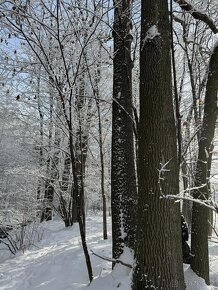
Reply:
x=101, y=151
x=200, y=214
x=210, y=217
x=81, y=143
x=48, y=199
x=187, y=205
x=65, y=204
x=76, y=194
x=52, y=171
x=158, y=238
x=41, y=131
x=123, y=172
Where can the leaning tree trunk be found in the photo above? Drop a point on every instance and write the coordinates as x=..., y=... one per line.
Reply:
x=81, y=144
x=200, y=214
x=123, y=173
x=77, y=195
x=158, y=237
x=101, y=144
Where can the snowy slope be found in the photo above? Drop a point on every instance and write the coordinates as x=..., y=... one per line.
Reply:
x=57, y=263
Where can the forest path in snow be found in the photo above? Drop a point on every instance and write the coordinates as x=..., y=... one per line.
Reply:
x=57, y=262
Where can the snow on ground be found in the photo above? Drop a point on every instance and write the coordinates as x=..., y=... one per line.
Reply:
x=57, y=263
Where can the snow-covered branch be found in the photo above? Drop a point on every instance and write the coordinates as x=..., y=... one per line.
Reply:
x=207, y=203
x=197, y=14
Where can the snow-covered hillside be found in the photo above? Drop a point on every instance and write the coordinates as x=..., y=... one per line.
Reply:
x=57, y=263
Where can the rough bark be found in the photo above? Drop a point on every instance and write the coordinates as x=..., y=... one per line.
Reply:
x=200, y=214
x=158, y=238
x=123, y=173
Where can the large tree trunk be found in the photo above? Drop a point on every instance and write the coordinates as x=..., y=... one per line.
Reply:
x=200, y=214
x=123, y=173
x=158, y=238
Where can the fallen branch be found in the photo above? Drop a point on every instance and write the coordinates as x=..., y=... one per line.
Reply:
x=197, y=14
x=116, y=261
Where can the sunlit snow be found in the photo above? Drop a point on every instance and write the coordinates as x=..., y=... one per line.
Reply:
x=57, y=262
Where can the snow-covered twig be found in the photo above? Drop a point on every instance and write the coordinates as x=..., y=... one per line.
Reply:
x=191, y=189
x=117, y=261
x=209, y=204
x=161, y=172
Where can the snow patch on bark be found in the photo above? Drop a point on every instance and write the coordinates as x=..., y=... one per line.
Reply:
x=151, y=34
x=122, y=230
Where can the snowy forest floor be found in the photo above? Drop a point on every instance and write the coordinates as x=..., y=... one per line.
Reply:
x=57, y=262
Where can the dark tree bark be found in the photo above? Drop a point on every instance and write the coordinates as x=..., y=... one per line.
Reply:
x=123, y=173
x=158, y=238
x=200, y=214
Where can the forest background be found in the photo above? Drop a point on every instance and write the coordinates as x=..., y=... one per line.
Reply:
x=70, y=131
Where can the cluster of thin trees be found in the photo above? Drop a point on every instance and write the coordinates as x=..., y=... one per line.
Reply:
x=163, y=94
